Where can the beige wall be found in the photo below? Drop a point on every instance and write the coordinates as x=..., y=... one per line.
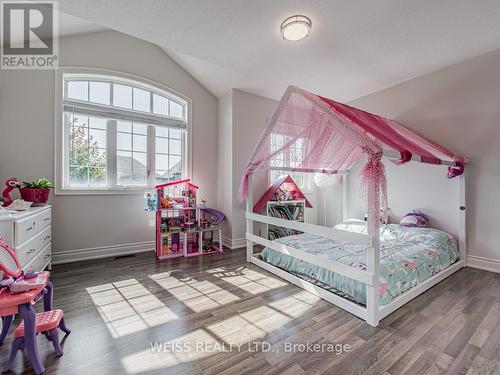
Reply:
x=27, y=142
x=225, y=162
x=242, y=118
x=250, y=116
x=459, y=107
x=413, y=186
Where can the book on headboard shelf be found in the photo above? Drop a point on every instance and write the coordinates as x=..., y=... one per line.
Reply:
x=286, y=210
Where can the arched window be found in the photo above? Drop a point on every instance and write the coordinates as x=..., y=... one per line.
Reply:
x=120, y=133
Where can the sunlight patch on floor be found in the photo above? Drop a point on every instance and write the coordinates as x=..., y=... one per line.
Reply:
x=128, y=307
x=296, y=304
x=251, y=281
x=248, y=326
x=183, y=349
x=197, y=295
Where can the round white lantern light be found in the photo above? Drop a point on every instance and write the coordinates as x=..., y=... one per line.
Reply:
x=323, y=180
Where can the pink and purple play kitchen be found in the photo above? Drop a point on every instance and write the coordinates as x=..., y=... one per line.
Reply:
x=184, y=227
x=19, y=292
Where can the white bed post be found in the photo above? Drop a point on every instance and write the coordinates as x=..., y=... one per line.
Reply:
x=462, y=217
x=346, y=188
x=373, y=260
x=249, y=209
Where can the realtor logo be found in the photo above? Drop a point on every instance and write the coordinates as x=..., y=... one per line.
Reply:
x=29, y=35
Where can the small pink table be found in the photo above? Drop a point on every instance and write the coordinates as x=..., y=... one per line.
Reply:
x=22, y=303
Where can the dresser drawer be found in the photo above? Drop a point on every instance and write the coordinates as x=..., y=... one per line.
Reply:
x=44, y=219
x=25, y=229
x=45, y=236
x=28, y=250
x=45, y=257
x=40, y=261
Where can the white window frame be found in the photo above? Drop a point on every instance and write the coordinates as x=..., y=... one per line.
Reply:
x=60, y=129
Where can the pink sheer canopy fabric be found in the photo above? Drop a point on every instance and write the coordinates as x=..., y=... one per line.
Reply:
x=318, y=133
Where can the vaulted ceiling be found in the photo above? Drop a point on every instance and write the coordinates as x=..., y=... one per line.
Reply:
x=68, y=25
x=355, y=47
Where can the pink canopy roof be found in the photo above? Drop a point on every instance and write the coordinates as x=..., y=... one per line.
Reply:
x=319, y=133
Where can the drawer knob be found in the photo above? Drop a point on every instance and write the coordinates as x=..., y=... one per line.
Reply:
x=31, y=251
x=46, y=219
x=46, y=237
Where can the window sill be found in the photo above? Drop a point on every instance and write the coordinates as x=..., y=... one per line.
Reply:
x=131, y=191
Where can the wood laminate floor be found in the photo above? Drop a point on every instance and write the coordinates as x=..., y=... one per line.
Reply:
x=220, y=315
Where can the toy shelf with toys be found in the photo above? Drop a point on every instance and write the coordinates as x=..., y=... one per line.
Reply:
x=183, y=227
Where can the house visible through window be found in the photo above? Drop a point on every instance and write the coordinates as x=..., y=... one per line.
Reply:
x=121, y=134
x=169, y=151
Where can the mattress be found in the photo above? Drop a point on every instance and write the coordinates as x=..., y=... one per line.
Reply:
x=408, y=256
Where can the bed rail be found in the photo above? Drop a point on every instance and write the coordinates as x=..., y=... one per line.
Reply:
x=356, y=274
x=332, y=233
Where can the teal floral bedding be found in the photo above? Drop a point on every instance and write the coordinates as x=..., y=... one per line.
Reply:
x=408, y=257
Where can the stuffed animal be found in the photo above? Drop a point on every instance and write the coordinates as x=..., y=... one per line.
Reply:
x=414, y=219
x=11, y=184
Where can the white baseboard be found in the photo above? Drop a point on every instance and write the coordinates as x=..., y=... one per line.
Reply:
x=234, y=243
x=486, y=264
x=77, y=255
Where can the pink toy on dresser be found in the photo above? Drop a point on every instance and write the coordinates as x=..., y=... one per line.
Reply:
x=11, y=184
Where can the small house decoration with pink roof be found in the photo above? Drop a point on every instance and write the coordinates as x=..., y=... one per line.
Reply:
x=284, y=189
x=283, y=200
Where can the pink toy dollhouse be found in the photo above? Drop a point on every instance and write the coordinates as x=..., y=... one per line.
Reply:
x=183, y=228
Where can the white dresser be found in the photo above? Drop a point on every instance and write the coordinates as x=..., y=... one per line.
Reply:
x=29, y=232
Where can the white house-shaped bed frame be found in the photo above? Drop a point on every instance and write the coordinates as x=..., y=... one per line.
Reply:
x=373, y=312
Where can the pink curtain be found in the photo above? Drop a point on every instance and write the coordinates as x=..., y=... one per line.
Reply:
x=317, y=133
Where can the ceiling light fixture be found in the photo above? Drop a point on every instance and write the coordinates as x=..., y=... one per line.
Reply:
x=296, y=28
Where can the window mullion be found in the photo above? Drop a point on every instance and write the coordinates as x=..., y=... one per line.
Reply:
x=111, y=154
x=132, y=148
x=111, y=95
x=151, y=157
x=88, y=152
x=151, y=102
x=183, y=154
x=66, y=149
